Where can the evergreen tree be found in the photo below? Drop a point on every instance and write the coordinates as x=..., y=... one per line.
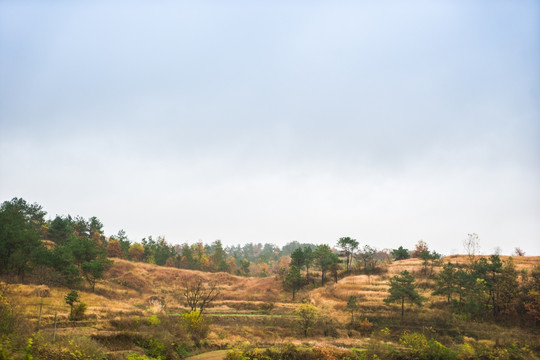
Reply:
x=298, y=258
x=293, y=280
x=60, y=229
x=400, y=253
x=309, y=257
x=446, y=282
x=403, y=288
x=348, y=245
x=71, y=298
x=93, y=270
x=352, y=307
x=324, y=258
x=219, y=257
x=20, y=225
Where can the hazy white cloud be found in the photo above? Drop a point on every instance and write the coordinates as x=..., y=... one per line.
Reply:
x=385, y=121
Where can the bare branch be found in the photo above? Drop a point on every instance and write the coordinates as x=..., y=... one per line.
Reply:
x=198, y=294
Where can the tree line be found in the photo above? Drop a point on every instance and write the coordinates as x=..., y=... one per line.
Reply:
x=484, y=287
x=74, y=249
x=68, y=250
x=491, y=286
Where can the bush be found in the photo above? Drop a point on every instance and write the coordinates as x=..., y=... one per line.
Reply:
x=422, y=348
x=155, y=349
x=289, y=351
x=75, y=347
x=366, y=326
x=308, y=314
x=134, y=356
x=332, y=352
x=196, y=325
x=78, y=311
x=484, y=350
x=153, y=320
x=467, y=352
x=4, y=353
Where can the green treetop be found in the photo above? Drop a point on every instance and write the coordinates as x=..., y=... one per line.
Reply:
x=403, y=288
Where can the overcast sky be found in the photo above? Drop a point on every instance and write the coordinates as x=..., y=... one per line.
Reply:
x=274, y=121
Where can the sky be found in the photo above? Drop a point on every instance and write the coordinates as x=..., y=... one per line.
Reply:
x=278, y=121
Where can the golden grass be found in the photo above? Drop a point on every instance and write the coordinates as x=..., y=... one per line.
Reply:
x=134, y=288
x=149, y=278
x=137, y=289
x=128, y=288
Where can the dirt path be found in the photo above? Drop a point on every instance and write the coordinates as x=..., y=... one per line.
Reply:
x=212, y=355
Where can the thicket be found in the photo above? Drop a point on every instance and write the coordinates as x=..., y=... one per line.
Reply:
x=75, y=249
x=491, y=287
x=68, y=250
x=412, y=345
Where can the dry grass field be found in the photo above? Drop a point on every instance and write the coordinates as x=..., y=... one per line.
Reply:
x=131, y=293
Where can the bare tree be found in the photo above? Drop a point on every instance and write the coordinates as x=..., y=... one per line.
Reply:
x=518, y=252
x=420, y=247
x=198, y=294
x=472, y=246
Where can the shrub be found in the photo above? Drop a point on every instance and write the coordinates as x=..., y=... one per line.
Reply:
x=28, y=350
x=196, y=325
x=183, y=350
x=75, y=347
x=134, y=356
x=78, y=311
x=422, y=348
x=416, y=342
x=365, y=326
x=466, y=352
x=308, y=314
x=289, y=351
x=439, y=351
x=155, y=349
x=486, y=350
x=332, y=352
x=4, y=354
x=384, y=333
x=153, y=320
x=234, y=354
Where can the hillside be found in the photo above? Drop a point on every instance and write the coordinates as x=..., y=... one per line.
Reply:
x=248, y=309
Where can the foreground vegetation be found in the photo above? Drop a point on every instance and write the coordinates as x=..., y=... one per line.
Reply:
x=65, y=296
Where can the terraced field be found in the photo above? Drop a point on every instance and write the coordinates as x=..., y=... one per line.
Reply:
x=133, y=295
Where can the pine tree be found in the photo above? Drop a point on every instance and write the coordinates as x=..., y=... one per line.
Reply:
x=403, y=288
x=352, y=307
x=293, y=280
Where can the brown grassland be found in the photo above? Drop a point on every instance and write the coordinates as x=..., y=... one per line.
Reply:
x=131, y=293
